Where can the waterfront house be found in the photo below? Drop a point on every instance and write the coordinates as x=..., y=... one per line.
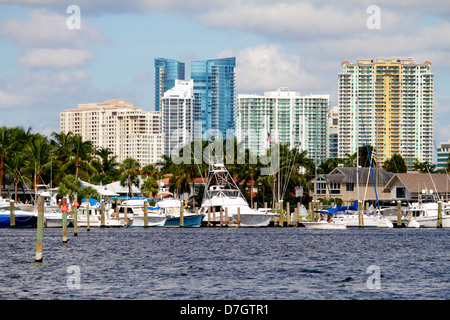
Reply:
x=341, y=183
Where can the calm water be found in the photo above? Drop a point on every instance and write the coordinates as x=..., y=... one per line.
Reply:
x=216, y=264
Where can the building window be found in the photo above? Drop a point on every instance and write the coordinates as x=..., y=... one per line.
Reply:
x=335, y=188
x=401, y=193
x=321, y=188
x=350, y=187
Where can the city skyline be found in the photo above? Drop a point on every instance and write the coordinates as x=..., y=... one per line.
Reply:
x=47, y=68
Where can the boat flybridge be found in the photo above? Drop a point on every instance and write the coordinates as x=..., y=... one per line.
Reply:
x=222, y=195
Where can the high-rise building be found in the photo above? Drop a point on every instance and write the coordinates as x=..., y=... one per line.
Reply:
x=283, y=116
x=166, y=72
x=177, y=118
x=123, y=128
x=442, y=152
x=214, y=92
x=333, y=132
x=389, y=104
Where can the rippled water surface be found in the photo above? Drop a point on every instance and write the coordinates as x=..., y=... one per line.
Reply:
x=220, y=263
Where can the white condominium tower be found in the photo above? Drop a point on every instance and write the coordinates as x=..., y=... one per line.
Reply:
x=286, y=117
x=128, y=131
x=389, y=104
x=177, y=115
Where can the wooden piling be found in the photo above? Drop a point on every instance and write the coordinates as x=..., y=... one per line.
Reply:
x=288, y=215
x=145, y=214
x=125, y=216
x=226, y=216
x=360, y=214
x=239, y=216
x=40, y=227
x=209, y=216
x=102, y=213
x=64, y=210
x=12, y=216
x=88, y=225
x=439, y=220
x=399, y=214
x=75, y=218
x=281, y=220
x=181, y=214
x=221, y=216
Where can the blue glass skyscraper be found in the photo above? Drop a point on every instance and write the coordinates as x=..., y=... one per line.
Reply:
x=214, y=92
x=166, y=72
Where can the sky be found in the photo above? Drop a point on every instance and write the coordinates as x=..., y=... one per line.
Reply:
x=47, y=65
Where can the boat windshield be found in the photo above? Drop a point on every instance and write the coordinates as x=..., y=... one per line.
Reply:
x=224, y=193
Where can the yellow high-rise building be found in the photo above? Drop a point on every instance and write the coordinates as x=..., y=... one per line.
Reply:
x=389, y=104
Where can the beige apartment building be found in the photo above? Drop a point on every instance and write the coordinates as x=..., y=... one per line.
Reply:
x=125, y=129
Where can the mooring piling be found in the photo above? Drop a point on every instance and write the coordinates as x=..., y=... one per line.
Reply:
x=40, y=227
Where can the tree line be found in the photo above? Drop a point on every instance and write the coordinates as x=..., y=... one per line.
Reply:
x=63, y=159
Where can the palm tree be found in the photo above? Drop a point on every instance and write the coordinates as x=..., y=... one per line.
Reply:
x=39, y=156
x=106, y=164
x=152, y=175
x=129, y=174
x=16, y=169
x=80, y=157
x=7, y=145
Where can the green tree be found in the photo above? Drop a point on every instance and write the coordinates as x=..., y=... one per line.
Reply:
x=7, y=145
x=130, y=174
x=395, y=164
x=423, y=167
x=16, y=168
x=151, y=175
x=39, y=156
x=80, y=157
x=106, y=165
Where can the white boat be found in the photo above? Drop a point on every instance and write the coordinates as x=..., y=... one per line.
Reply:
x=349, y=216
x=171, y=207
x=425, y=213
x=223, y=195
x=53, y=217
x=95, y=216
x=135, y=209
x=328, y=224
x=412, y=223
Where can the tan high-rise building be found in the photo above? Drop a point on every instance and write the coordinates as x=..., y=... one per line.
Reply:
x=125, y=129
x=389, y=104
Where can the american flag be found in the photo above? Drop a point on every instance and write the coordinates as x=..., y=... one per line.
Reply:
x=269, y=137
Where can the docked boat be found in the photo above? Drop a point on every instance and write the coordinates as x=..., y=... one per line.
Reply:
x=135, y=208
x=92, y=208
x=425, y=213
x=22, y=219
x=171, y=209
x=223, y=195
x=349, y=216
x=53, y=217
x=329, y=224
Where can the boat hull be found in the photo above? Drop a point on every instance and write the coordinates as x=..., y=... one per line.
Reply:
x=188, y=221
x=56, y=222
x=323, y=225
x=21, y=220
x=254, y=220
x=153, y=221
x=431, y=222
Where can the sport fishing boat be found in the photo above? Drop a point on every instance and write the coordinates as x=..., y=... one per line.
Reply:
x=53, y=217
x=223, y=195
x=135, y=208
x=171, y=208
x=22, y=219
x=425, y=213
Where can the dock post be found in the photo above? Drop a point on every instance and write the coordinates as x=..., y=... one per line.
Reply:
x=181, y=214
x=239, y=216
x=221, y=216
x=125, y=216
x=12, y=216
x=40, y=226
x=288, y=215
x=64, y=210
x=281, y=221
x=295, y=217
x=88, y=225
x=226, y=216
x=399, y=214
x=360, y=214
x=439, y=219
x=145, y=214
x=209, y=216
x=102, y=213
x=75, y=217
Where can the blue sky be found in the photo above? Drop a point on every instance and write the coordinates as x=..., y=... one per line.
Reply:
x=297, y=44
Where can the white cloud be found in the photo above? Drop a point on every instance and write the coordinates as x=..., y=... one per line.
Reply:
x=268, y=67
x=56, y=58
